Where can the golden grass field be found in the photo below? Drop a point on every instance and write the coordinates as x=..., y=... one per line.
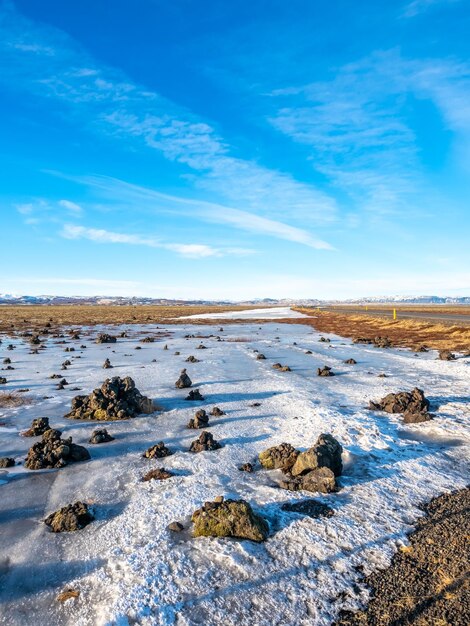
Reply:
x=407, y=333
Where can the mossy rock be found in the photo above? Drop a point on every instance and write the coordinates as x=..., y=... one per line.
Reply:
x=229, y=518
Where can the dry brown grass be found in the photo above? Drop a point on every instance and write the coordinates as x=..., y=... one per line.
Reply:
x=11, y=400
x=407, y=333
x=445, y=309
x=21, y=318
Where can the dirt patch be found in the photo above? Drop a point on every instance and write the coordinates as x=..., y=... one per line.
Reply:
x=406, y=333
x=427, y=581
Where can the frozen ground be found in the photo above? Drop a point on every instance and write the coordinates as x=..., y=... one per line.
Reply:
x=272, y=313
x=130, y=569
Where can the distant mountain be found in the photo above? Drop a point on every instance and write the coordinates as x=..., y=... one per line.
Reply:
x=261, y=302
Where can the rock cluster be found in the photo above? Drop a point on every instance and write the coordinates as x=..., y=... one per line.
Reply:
x=105, y=338
x=54, y=452
x=70, y=518
x=200, y=420
x=378, y=342
x=6, y=461
x=100, y=435
x=279, y=457
x=183, y=381
x=325, y=371
x=351, y=362
x=158, y=451
x=281, y=368
x=412, y=404
x=204, y=442
x=194, y=395
x=192, y=359
x=116, y=399
x=229, y=518
x=313, y=470
x=324, y=340
x=38, y=427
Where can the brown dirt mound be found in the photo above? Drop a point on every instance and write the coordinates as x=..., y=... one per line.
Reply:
x=428, y=581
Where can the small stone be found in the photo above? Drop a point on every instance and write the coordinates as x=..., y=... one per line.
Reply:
x=100, y=435
x=107, y=364
x=68, y=594
x=6, y=461
x=216, y=412
x=200, y=420
x=192, y=359
x=175, y=527
x=157, y=474
x=446, y=355
x=158, y=451
x=325, y=371
x=260, y=357
x=105, y=338
x=204, y=442
x=183, y=381
x=351, y=362
x=246, y=467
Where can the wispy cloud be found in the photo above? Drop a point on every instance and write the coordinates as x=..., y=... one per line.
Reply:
x=357, y=126
x=191, y=250
x=71, y=206
x=144, y=198
x=113, y=104
x=417, y=7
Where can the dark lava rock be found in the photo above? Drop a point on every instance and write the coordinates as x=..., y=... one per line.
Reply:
x=204, y=442
x=201, y=347
x=107, y=365
x=351, y=362
x=192, y=359
x=216, y=412
x=35, y=340
x=175, y=527
x=194, y=395
x=446, y=355
x=157, y=474
x=422, y=349
x=412, y=403
x=54, y=452
x=281, y=368
x=309, y=508
x=6, y=461
x=105, y=338
x=321, y=480
x=246, y=467
x=6, y=361
x=325, y=371
x=308, y=352
x=100, y=435
x=200, y=420
x=183, y=381
x=69, y=518
x=324, y=340
x=260, y=357
x=148, y=340
x=229, y=518
x=382, y=342
x=116, y=399
x=158, y=451
x=279, y=457
x=325, y=453
x=3, y=380
x=38, y=427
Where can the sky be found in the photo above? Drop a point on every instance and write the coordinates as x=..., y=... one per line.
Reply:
x=235, y=150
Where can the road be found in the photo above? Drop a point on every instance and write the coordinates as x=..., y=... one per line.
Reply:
x=437, y=316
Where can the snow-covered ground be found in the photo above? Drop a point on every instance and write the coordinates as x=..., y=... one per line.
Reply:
x=273, y=313
x=130, y=569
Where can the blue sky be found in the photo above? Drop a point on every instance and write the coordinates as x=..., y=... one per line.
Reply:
x=231, y=150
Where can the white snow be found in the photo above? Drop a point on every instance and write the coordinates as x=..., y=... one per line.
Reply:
x=271, y=313
x=130, y=569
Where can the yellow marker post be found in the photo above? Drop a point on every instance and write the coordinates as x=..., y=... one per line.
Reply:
x=394, y=314
x=367, y=308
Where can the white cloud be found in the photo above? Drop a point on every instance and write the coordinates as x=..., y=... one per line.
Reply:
x=191, y=251
x=417, y=7
x=71, y=206
x=154, y=201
